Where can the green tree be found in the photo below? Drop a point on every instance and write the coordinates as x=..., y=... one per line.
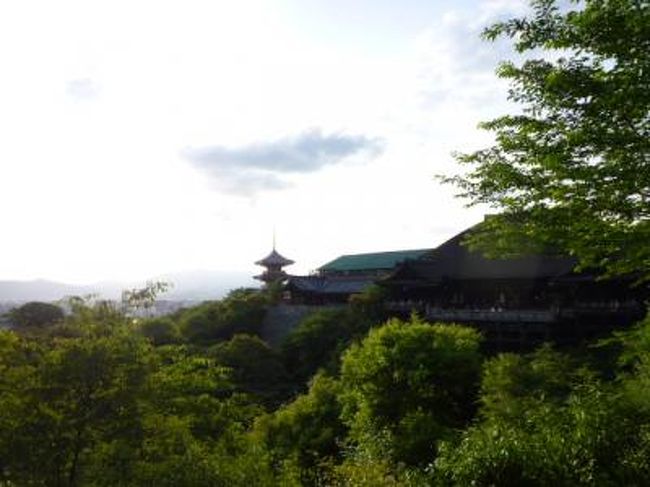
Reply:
x=36, y=314
x=242, y=311
x=143, y=298
x=65, y=399
x=513, y=383
x=308, y=429
x=572, y=172
x=316, y=343
x=409, y=385
x=255, y=368
x=94, y=403
x=161, y=330
x=196, y=388
x=370, y=303
x=546, y=418
x=89, y=316
x=594, y=436
x=321, y=337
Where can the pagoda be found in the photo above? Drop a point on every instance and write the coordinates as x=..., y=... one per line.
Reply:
x=273, y=264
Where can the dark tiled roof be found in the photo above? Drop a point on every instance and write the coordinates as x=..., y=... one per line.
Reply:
x=452, y=260
x=274, y=259
x=372, y=261
x=329, y=284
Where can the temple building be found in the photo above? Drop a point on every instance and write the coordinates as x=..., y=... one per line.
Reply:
x=335, y=281
x=273, y=264
x=517, y=303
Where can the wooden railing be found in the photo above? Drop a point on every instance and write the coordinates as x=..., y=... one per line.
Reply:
x=476, y=315
x=508, y=315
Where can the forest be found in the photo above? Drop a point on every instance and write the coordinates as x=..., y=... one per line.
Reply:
x=97, y=397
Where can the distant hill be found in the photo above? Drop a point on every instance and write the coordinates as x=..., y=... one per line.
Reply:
x=204, y=285
x=41, y=290
x=189, y=285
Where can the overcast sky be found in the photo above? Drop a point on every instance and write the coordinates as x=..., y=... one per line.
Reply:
x=145, y=137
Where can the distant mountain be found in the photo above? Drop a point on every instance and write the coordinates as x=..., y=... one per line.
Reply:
x=204, y=285
x=41, y=290
x=190, y=285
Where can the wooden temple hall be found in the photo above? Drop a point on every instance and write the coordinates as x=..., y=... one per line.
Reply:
x=516, y=303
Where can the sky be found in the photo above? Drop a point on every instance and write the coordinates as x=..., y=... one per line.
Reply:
x=148, y=137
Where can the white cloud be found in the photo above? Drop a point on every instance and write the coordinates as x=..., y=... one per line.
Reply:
x=265, y=165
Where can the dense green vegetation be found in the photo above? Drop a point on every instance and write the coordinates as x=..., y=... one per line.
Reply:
x=100, y=398
x=211, y=321
x=35, y=314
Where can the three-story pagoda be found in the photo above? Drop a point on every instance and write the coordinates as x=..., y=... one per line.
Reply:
x=273, y=264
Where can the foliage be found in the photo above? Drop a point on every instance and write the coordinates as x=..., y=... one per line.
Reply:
x=242, y=311
x=256, y=368
x=408, y=385
x=63, y=401
x=364, y=470
x=161, y=330
x=590, y=434
x=195, y=387
x=89, y=315
x=143, y=298
x=172, y=456
x=273, y=291
x=308, y=429
x=36, y=314
x=316, y=342
x=95, y=404
x=99, y=400
x=369, y=303
x=571, y=171
x=512, y=382
x=321, y=337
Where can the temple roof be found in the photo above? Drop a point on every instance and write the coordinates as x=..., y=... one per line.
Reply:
x=453, y=260
x=271, y=276
x=329, y=284
x=274, y=259
x=372, y=261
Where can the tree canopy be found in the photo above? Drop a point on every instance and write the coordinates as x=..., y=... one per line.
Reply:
x=102, y=400
x=409, y=384
x=36, y=314
x=571, y=171
x=242, y=311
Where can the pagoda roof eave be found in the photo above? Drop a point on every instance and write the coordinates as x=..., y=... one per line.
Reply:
x=274, y=258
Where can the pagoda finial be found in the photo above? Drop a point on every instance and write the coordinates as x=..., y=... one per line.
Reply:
x=274, y=237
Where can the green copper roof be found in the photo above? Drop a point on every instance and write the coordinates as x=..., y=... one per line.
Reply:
x=367, y=262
